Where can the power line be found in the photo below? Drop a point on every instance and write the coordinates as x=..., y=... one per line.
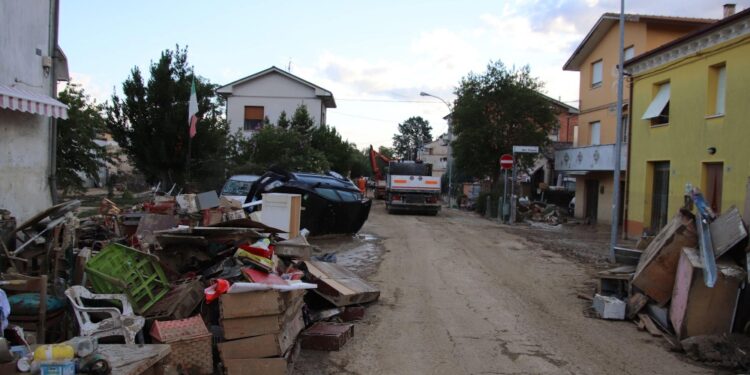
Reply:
x=384, y=100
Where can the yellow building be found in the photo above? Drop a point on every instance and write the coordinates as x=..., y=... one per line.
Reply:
x=691, y=122
x=591, y=160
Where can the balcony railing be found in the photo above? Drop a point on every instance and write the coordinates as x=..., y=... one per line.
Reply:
x=590, y=158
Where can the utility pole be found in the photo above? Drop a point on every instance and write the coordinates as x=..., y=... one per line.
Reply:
x=618, y=137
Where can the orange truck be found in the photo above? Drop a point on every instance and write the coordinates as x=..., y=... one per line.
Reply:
x=411, y=187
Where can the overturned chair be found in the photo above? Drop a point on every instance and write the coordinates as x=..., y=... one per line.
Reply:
x=119, y=323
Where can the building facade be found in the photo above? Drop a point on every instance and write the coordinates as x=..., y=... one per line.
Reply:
x=690, y=123
x=31, y=63
x=436, y=153
x=264, y=95
x=591, y=159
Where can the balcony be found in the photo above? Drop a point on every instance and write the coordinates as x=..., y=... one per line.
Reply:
x=590, y=159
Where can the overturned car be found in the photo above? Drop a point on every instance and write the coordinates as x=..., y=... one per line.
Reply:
x=331, y=204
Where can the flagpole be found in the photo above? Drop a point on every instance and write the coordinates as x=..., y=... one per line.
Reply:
x=192, y=112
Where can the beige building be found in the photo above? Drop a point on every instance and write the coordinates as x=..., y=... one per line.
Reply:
x=591, y=159
x=436, y=153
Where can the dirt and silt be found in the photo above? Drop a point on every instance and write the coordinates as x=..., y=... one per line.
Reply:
x=463, y=295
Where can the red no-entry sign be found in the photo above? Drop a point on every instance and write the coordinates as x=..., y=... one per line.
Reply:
x=506, y=161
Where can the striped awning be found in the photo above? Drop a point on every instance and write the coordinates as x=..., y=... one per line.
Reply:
x=17, y=99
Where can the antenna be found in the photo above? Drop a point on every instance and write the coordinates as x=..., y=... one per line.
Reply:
x=289, y=66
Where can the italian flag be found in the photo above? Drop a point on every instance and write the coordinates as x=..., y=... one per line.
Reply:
x=193, y=111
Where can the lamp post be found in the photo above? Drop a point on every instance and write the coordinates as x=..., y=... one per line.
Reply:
x=450, y=139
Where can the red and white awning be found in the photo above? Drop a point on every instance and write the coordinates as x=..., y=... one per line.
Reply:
x=17, y=99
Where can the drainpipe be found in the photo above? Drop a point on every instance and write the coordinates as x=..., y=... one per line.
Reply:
x=54, y=8
x=627, y=170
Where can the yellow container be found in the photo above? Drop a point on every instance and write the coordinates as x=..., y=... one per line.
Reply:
x=54, y=352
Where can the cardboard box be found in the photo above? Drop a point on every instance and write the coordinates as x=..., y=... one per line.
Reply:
x=260, y=325
x=266, y=366
x=270, y=345
x=250, y=304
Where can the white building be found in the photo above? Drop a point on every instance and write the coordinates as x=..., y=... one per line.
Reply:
x=31, y=63
x=267, y=93
x=436, y=153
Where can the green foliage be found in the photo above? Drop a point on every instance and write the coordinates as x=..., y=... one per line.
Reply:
x=412, y=135
x=283, y=148
x=283, y=121
x=301, y=121
x=337, y=151
x=76, y=149
x=494, y=111
x=150, y=123
x=387, y=152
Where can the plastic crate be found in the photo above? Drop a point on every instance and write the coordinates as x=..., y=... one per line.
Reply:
x=121, y=269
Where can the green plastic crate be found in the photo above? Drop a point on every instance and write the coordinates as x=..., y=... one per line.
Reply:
x=121, y=269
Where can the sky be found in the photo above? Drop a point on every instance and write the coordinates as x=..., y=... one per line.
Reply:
x=376, y=57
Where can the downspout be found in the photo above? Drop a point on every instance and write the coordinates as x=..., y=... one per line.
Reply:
x=625, y=201
x=54, y=11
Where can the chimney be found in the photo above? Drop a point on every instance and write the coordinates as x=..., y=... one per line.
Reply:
x=729, y=9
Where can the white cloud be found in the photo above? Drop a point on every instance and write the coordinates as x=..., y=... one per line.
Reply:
x=94, y=88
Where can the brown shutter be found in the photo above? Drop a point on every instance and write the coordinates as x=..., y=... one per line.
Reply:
x=253, y=113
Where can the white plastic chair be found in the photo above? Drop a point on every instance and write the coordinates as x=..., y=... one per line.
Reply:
x=124, y=323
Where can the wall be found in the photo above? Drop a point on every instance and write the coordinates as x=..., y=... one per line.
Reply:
x=684, y=141
x=275, y=93
x=567, y=123
x=439, y=150
x=24, y=138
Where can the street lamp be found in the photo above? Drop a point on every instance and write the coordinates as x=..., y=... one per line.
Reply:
x=450, y=139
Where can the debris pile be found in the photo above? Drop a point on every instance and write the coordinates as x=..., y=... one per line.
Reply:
x=540, y=212
x=689, y=285
x=201, y=285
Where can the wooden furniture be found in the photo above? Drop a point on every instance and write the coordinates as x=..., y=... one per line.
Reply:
x=36, y=315
x=282, y=211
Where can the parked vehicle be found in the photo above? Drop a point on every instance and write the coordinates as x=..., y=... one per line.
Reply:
x=237, y=187
x=411, y=187
x=330, y=203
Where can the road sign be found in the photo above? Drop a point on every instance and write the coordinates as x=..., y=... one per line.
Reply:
x=526, y=149
x=506, y=161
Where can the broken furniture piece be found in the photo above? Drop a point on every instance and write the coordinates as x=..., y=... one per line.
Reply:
x=120, y=323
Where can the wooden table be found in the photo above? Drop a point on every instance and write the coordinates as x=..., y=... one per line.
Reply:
x=133, y=359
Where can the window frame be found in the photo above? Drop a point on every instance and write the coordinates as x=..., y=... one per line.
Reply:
x=659, y=102
x=599, y=133
x=595, y=84
x=717, y=90
x=253, y=124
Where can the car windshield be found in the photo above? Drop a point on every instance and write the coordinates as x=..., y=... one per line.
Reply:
x=235, y=187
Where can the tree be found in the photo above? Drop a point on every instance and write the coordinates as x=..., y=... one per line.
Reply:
x=412, y=135
x=272, y=146
x=150, y=123
x=77, y=151
x=301, y=121
x=283, y=121
x=494, y=111
x=386, y=151
x=337, y=151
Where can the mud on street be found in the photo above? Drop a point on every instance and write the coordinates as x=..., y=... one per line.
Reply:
x=464, y=295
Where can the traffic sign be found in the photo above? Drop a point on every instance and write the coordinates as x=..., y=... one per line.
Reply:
x=506, y=161
x=526, y=149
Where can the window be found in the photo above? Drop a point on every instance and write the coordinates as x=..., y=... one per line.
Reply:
x=596, y=74
x=596, y=137
x=658, y=110
x=629, y=53
x=717, y=87
x=253, y=118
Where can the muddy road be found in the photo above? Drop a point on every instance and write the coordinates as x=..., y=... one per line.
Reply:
x=461, y=295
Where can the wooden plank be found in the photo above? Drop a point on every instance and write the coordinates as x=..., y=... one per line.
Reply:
x=339, y=285
x=726, y=231
x=636, y=302
x=656, y=270
x=649, y=324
